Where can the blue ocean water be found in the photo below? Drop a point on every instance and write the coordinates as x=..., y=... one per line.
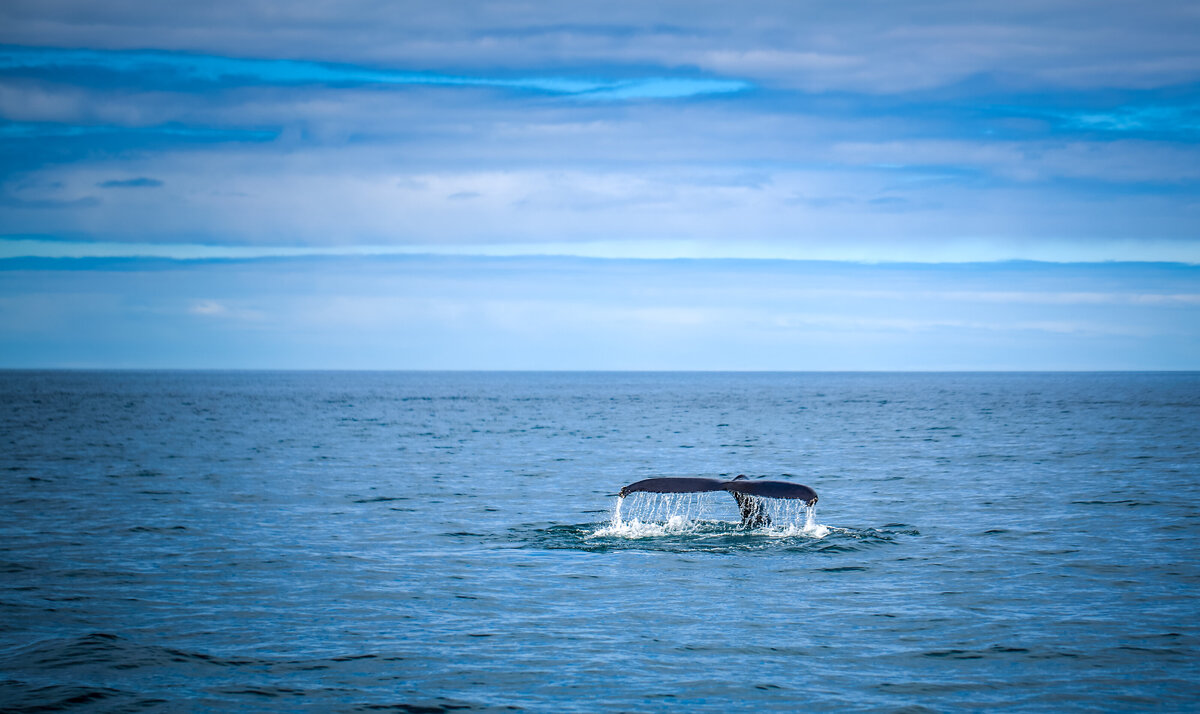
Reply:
x=430, y=542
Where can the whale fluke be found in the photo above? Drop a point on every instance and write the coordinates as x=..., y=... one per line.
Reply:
x=744, y=491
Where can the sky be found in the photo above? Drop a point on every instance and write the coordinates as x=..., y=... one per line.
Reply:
x=619, y=185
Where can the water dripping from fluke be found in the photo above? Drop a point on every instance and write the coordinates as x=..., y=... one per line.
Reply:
x=688, y=506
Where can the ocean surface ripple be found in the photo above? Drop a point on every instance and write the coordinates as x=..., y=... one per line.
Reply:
x=436, y=542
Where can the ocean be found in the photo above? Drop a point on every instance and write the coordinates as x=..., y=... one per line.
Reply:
x=435, y=542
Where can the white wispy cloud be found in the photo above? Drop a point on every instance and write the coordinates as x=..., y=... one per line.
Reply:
x=224, y=310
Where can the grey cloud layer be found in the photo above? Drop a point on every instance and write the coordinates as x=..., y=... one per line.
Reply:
x=869, y=124
x=861, y=46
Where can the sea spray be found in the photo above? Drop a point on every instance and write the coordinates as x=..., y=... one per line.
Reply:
x=702, y=514
x=811, y=527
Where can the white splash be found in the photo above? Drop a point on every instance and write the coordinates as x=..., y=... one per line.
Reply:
x=706, y=514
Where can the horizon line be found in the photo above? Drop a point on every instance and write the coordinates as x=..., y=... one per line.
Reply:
x=965, y=252
x=597, y=371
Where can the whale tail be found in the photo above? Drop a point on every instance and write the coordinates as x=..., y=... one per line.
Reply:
x=746, y=492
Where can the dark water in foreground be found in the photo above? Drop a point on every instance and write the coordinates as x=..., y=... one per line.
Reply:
x=428, y=542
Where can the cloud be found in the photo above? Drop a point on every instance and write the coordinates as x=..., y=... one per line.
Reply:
x=218, y=309
x=208, y=307
x=47, y=130
x=876, y=47
x=169, y=69
x=139, y=182
x=48, y=204
x=357, y=196
x=1124, y=161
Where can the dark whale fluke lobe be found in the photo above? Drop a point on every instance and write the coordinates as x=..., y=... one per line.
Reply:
x=773, y=489
x=744, y=491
